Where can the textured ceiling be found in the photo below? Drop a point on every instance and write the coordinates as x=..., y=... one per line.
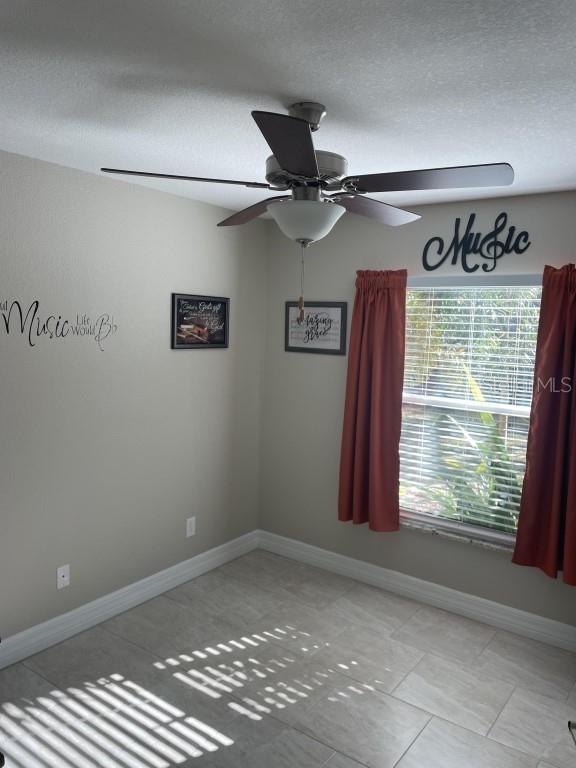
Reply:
x=168, y=85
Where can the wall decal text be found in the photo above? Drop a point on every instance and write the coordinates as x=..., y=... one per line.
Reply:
x=19, y=319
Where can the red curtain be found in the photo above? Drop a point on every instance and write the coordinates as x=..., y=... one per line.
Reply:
x=547, y=524
x=369, y=460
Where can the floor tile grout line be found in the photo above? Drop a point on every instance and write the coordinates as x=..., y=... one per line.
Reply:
x=403, y=623
x=438, y=653
x=462, y=665
x=433, y=715
x=514, y=689
x=430, y=716
x=34, y=671
x=419, y=610
x=517, y=688
x=162, y=658
x=221, y=614
x=492, y=638
x=446, y=656
x=409, y=672
x=52, y=728
x=58, y=729
x=55, y=728
x=168, y=596
x=324, y=744
x=354, y=583
x=415, y=739
x=319, y=741
x=325, y=763
x=296, y=598
x=157, y=657
x=389, y=632
x=99, y=626
x=347, y=674
x=462, y=726
x=293, y=727
x=65, y=687
x=493, y=741
x=343, y=754
x=424, y=607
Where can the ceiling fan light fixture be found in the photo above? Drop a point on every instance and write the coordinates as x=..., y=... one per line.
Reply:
x=305, y=221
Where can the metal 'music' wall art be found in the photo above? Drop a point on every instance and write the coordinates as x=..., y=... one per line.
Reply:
x=473, y=249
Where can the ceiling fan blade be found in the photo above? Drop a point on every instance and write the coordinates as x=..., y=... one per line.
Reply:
x=374, y=209
x=290, y=140
x=252, y=212
x=185, y=178
x=490, y=175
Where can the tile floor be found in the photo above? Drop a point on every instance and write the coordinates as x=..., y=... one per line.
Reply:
x=268, y=663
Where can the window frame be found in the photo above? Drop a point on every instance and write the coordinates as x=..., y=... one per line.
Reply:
x=473, y=534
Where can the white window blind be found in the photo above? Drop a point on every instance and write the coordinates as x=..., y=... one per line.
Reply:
x=467, y=392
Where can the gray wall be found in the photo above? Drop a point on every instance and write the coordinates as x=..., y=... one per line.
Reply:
x=104, y=454
x=304, y=397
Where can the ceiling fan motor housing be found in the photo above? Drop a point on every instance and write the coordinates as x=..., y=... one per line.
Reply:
x=332, y=168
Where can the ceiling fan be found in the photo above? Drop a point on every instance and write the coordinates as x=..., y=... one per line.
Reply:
x=319, y=189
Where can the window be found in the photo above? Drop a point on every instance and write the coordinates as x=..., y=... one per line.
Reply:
x=467, y=392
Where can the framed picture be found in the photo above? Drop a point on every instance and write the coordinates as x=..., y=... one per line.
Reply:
x=199, y=322
x=323, y=329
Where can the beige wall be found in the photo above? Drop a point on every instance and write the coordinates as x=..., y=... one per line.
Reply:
x=105, y=453
x=304, y=400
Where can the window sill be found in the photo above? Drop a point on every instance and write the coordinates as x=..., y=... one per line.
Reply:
x=468, y=534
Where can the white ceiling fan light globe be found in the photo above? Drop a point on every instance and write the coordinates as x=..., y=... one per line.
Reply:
x=305, y=220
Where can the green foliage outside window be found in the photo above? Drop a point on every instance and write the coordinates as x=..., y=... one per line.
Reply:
x=466, y=347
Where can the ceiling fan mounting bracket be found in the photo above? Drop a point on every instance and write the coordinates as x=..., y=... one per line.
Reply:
x=311, y=111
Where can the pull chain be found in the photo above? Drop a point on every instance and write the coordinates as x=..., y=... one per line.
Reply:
x=301, y=299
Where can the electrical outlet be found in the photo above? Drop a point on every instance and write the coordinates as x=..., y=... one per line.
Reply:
x=63, y=576
x=190, y=527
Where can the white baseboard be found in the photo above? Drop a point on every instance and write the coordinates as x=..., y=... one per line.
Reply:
x=42, y=636
x=487, y=611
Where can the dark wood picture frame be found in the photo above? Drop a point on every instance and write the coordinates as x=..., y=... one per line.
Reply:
x=307, y=341
x=208, y=321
